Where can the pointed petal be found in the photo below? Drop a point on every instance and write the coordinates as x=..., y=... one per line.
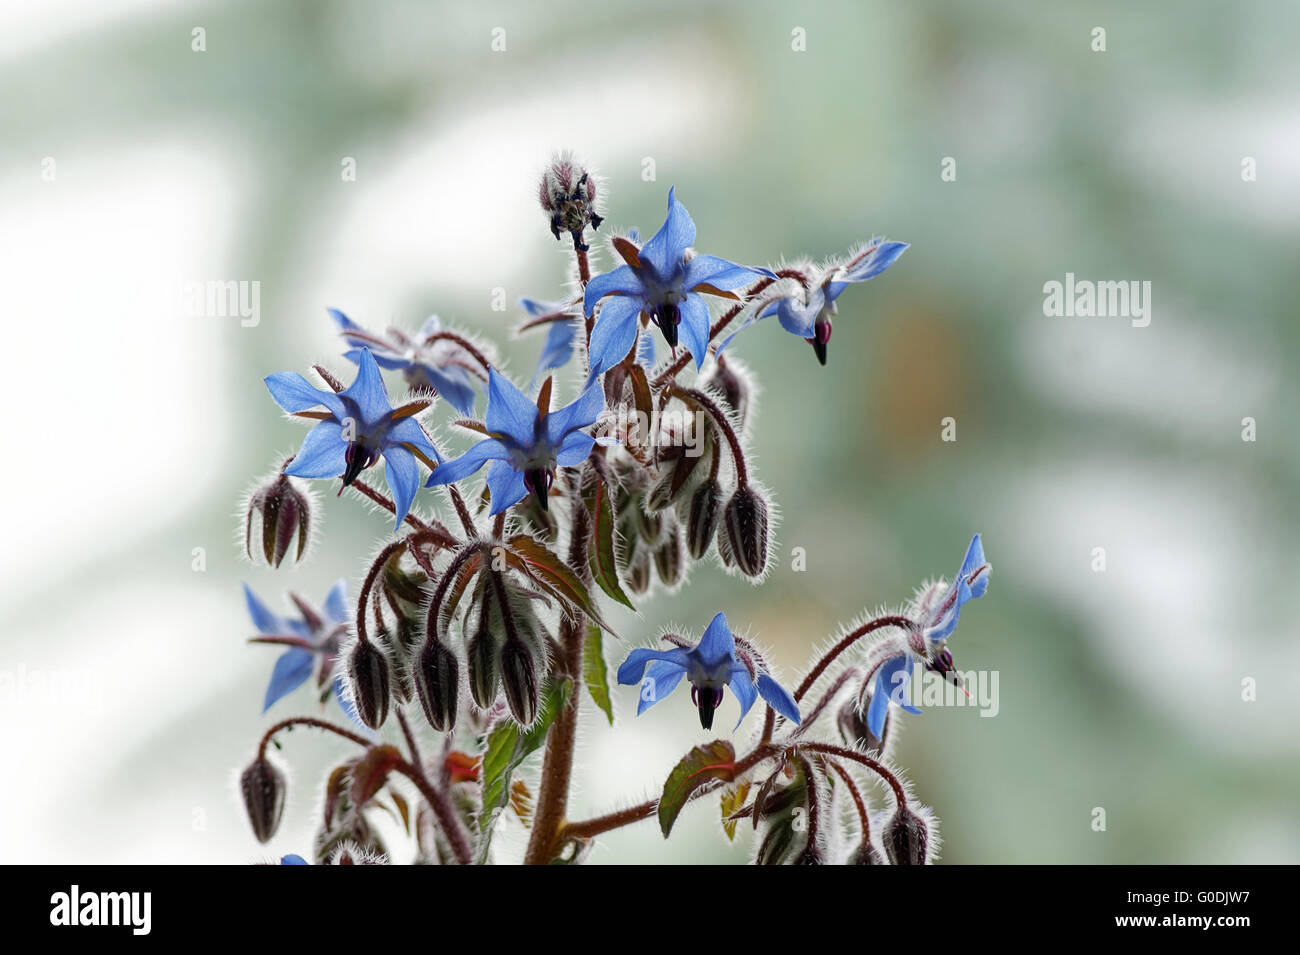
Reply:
x=664, y=251
x=336, y=602
x=462, y=467
x=574, y=449
x=615, y=330
x=510, y=411
x=507, y=486
x=408, y=431
x=292, y=392
x=892, y=681
x=659, y=680
x=263, y=619
x=322, y=454
x=717, y=644
x=403, y=475
x=721, y=274
x=367, y=391
x=778, y=697
x=622, y=281
x=694, y=328
x=292, y=668
x=885, y=255
x=581, y=413
x=631, y=669
x=743, y=687
x=973, y=561
x=558, y=349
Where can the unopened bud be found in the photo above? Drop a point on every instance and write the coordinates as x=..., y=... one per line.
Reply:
x=371, y=683
x=702, y=518
x=775, y=849
x=567, y=194
x=728, y=382
x=484, y=625
x=745, y=519
x=638, y=571
x=670, y=558
x=865, y=854
x=437, y=682
x=263, y=788
x=519, y=677
x=906, y=838
x=283, y=512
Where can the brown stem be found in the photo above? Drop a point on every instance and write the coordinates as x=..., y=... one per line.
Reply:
x=724, y=425
x=372, y=575
x=849, y=639
x=857, y=798
x=385, y=502
x=442, y=808
x=867, y=761
x=464, y=343
x=466, y=519
x=315, y=724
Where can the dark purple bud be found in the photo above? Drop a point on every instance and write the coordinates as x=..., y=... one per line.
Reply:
x=484, y=675
x=263, y=788
x=944, y=665
x=906, y=838
x=702, y=518
x=670, y=558
x=777, y=844
x=284, y=513
x=437, y=683
x=371, y=682
x=519, y=677
x=650, y=526
x=567, y=194
x=638, y=571
x=707, y=699
x=745, y=520
x=821, y=338
x=865, y=854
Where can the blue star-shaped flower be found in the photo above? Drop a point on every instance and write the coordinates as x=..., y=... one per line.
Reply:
x=558, y=349
x=525, y=444
x=315, y=635
x=660, y=281
x=710, y=665
x=808, y=314
x=439, y=365
x=358, y=426
x=936, y=620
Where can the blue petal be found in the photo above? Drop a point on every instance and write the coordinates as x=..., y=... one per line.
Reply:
x=885, y=255
x=582, y=412
x=717, y=644
x=622, y=281
x=721, y=274
x=942, y=627
x=660, y=679
x=292, y=392
x=645, y=351
x=489, y=449
x=431, y=325
x=743, y=687
x=558, y=349
x=407, y=431
x=323, y=453
x=799, y=318
x=336, y=602
x=345, y=704
x=694, y=328
x=664, y=251
x=510, y=412
x=892, y=681
x=403, y=474
x=778, y=697
x=452, y=383
x=263, y=619
x=367, y=391
x=292, y=669
x=614, y=333
x=292, y=859
x=574, y=449
x=384, y=359
x=506, y=485
x=344, y=323
x=631, y=669
x=973, y=561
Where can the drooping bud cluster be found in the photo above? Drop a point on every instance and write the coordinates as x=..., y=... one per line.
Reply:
x=277, y=520
x=567, y=194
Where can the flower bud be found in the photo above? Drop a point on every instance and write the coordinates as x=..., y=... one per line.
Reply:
x=650, y=526
x=906, y=838
x=263, y=788
x=670, y=558
x=865, y=854
x=567, y=194
x=853, y=727
x=371, y=683
x=484, y=625
x=638, y=571
x=519, y=677
x=283, y=512
x=702, y=518
x=437, y=682
x=745, y=520
x=732, y=387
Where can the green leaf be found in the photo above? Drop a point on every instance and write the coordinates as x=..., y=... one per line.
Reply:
x=508, y=745
x=604, y=566
x=594, y=672
x=704, y=764
x=540, y=564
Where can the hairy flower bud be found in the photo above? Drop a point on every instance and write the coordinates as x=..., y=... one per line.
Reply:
x=855, y=732
x=638, y=571
x=669, y=558
x=263, y=789
x=732, y=386
x=519, y=677
x=906, y=838
x=371, y=682
x=437, y=682
x=745, y=520
x=283, y=512
x=865, y=854
x=702, y=518
x=567, y=194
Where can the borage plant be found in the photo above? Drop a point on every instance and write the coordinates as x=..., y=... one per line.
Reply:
x=477, y=633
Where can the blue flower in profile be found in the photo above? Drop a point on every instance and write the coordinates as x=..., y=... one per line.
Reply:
x=937, y=611
x=428, y=360
x=662, y=282
x=808, y=314
x=312, y=639
x=525, y=442
x=356, y=429
x=558, y=349
x=712, y=664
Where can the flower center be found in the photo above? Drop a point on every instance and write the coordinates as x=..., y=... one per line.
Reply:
x=707, y=699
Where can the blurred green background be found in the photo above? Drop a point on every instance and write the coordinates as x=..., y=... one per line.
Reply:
x=129, y=698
